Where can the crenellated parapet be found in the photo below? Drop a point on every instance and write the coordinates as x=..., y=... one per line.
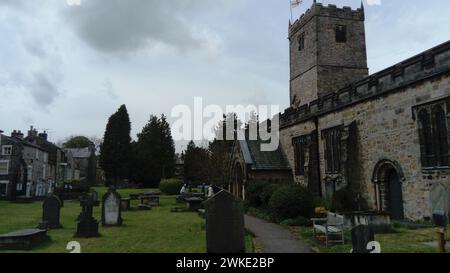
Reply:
x=428, y=64
x=317, y=9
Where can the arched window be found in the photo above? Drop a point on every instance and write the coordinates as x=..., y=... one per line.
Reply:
x=300, y=147
x=440, y=136
x=433, y=122
x=426, y=144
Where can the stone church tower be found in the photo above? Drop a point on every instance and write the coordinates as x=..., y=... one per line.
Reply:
x=327, y=52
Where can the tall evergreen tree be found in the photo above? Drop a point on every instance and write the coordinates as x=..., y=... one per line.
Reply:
x=155, y=153
x=196, y=164
x=115, y=150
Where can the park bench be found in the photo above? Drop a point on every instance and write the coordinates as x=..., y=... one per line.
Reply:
x=332, y=227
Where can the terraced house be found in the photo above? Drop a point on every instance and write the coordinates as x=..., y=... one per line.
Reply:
x=31, y=166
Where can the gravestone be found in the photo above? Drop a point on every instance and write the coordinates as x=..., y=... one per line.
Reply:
x=111, y=208
x=362, y=235
x=51, y=209
x=94, y=195
x=439, y=196
x=88, y=226
x=125, y=204
x=225, y=232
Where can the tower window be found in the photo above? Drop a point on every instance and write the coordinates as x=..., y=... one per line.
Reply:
x=301, y=41
x=341, y=34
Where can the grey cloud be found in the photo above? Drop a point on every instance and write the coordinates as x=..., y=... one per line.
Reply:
x=109, y=90
x=117, y=26
x=43, y=86
x=43, y=89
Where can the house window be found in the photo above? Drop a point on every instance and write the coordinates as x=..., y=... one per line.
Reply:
x=332, y=145
x=300, y=146
x=4, y=167
x=7, y=150
x=301, y=41
x=433, y=135
x=341, y=34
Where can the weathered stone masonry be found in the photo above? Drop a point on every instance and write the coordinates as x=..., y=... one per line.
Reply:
x=374, y=115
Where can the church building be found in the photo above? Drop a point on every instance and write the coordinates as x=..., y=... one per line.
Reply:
x=384, y=137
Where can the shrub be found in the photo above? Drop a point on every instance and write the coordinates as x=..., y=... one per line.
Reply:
x=266, y=194
x=343, y=201
x=253, y=192
x=290, y=202
x=297, y=222
x=171, y=186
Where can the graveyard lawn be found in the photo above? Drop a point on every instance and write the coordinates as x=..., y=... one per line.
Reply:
x=155, y=231
x=401, y=240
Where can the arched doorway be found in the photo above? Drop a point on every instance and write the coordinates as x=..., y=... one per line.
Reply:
x=388, y=178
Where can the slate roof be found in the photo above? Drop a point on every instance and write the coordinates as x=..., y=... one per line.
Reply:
x=259, y=160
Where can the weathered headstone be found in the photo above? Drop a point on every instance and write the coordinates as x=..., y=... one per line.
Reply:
x=225, y=224
x=125, y=203
x=362, y=235
x=88, y=226
x=111, y=208
x=439, y=196
x=51, y=209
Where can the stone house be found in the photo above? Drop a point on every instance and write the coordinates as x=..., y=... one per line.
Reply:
x=84, y=164
x=385, y=136
x=23, y=168
x=32, y=166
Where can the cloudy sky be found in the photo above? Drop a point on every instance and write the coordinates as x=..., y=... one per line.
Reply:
x=66, y=68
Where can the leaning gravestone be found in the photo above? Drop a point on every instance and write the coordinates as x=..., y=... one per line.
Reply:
x=225, y=232
x=51, y=211
x=88, y=226
x=111, y=209
x=362, y=235
x=439, y=196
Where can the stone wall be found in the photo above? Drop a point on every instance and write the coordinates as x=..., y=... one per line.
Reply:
x=286, y=137
x=387, y=130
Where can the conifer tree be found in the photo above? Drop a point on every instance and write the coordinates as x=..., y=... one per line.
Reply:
x=115, y=150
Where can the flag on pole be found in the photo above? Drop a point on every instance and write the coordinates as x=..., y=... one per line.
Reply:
x=296, y=3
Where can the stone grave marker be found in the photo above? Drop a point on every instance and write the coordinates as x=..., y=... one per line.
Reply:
x=440, y=204
x=88, y=226
x=125, y=204
x=225, y=232
x=51, y=209
x=111, y=208
x=362, y=235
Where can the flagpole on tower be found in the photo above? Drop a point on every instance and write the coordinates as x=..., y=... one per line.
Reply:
x=290, y=6
x=294, y=4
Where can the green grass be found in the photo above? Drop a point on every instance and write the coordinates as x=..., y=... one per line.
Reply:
x=155, y=231
x=402, y=240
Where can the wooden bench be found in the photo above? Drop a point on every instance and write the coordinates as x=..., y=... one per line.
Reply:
x=332, y=226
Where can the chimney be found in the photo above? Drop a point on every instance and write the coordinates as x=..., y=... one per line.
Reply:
x=32, y=132
x=17, y=134
x=43, y=135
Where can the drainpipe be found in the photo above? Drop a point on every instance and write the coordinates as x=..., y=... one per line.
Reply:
x=316, y=123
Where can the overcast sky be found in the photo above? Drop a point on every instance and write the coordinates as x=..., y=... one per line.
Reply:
x=68, y=68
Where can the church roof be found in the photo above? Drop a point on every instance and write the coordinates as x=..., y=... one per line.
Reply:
x=263, y=160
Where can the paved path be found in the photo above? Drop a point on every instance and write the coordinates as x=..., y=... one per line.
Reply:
x=274, y=238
